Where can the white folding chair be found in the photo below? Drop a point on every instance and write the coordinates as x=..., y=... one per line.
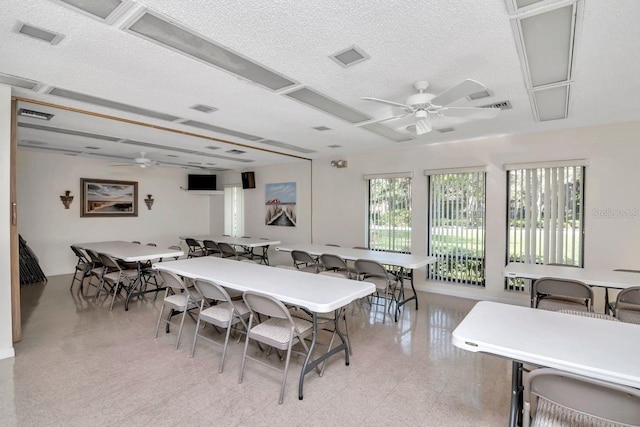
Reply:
x=225, y=313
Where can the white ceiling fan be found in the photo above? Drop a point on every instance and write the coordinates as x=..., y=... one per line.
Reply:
x=141, y=161
x=426, y=106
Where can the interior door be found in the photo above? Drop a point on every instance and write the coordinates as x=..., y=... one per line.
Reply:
x=15, y=272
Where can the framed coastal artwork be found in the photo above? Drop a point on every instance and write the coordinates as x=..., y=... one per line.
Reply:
x=107, y=198
x=280, y=204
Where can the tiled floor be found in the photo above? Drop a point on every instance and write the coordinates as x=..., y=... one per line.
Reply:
x=81, y=365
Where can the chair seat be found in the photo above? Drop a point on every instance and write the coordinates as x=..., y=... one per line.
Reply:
x=557, y=304
x=380, y=282
x=178, y=301
x=629, y=316
x=279, y=330
x=83, y=266
x=221, y=313
x=549, y=414
x=115, y=275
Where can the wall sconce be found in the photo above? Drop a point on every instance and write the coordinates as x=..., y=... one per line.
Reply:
x=67, y=198
x=149, y=201
x=339, y=163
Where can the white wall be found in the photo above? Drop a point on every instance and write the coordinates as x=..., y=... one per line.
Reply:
x=340, y=195
x=6, y=330
x=255, y=210
x=49, y=229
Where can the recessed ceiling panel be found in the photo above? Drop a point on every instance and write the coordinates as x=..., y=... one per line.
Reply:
x=328, y=105
x=548, y=39
x=219, y=129
x=17, y=81
x=187, y=42
x=387, y=132
x=66, y=131
x=286, y=146
x=102, y=9
x=110, y=104
x=552, y=103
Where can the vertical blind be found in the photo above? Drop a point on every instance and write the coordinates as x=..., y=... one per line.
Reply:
x=390, y=213
x=546, y=215
x=457, y=226
x=234, y=211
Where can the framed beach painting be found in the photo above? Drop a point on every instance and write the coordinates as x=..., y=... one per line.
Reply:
x=104, y=198
x=280, y=204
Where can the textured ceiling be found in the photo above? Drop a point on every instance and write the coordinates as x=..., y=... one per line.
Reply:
x=440, y=41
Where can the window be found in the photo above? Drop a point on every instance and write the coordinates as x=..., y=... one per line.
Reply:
x=545, y=208
x=390, y=212
x=234, y=211
x=456, y=226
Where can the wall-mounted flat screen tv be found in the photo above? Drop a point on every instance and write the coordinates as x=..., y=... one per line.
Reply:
x=202, y=183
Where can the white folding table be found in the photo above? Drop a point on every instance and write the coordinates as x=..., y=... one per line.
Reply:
x=132, y=252
x=586, y=346
x=316, y=293
x=607, y=279
x=250, y=243
x=407, y=262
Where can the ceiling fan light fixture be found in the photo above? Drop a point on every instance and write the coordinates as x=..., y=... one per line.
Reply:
x=422, y=123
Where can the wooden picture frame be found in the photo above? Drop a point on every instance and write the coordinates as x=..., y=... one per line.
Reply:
x=108, y=198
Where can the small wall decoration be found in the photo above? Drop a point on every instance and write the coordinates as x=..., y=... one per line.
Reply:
x=149, y=201
x=66, y=199
x=280, y=204
x=101, y=197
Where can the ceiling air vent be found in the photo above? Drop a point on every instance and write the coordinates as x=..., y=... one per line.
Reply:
x=503, y=105
x=34, y=114
x=211, y=147
x=445, y=130
x=321, y=128
x=479, y=95
x=236, y=152
x=334, y=146
x=203, y=108
x=350, y=56
x=39, y=33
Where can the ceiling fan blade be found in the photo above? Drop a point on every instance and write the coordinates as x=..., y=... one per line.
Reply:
x=423, y=126
x=384, y=101
x=470, y=112
x=465, y=88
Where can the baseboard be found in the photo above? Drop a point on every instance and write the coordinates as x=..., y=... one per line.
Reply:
x=5, y=354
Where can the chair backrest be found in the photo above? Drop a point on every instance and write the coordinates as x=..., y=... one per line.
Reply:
x=95, y=258
x=563, y=288
x=211, y=290
x=211, y=247
x=172, y=280
x=109, y=262
x=193, y=244
x=577, y=394
x=629, y=296
x=370, y=268
x=333, y=262
x=302, y=257
x=227, y=250
x=266, y=304
x=81, y=256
